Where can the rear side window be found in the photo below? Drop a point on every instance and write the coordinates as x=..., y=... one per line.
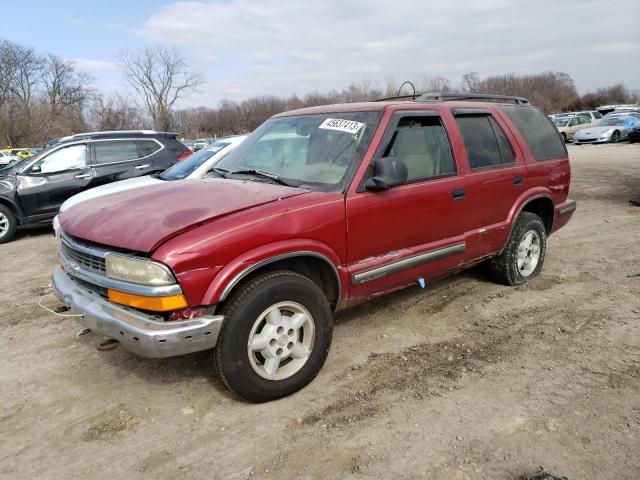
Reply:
x=485, y=142
x=116, y=151
x=597, y=115
x=538, y=132
x=148, y=147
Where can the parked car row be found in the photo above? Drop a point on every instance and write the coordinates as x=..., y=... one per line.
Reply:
x=316, y=210
x=586, y=127
x=593, y=115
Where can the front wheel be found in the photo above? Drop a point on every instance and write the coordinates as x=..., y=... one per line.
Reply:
x=8, y=224
x=523, y=256
x=275, y=337
x=564, y=137
x=615, y=137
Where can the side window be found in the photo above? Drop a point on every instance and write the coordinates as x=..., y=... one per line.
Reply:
x=585, y=120
x=597, y=115
x=115, y=151
x=422, y=143
x=73, y=157
x=485, y=142
x=537, y=130
x=148, y=147
x=573, y=122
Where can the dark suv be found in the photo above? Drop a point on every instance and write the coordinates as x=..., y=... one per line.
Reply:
x=32, y=190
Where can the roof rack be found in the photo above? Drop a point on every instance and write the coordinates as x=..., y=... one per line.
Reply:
x=444, y=97
x=115, y=132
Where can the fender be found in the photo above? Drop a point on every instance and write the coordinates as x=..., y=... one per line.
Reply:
x=13, y=205
x=232, y=273
x=521, y=202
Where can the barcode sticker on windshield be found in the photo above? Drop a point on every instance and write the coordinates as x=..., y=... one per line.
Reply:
x=348, y=126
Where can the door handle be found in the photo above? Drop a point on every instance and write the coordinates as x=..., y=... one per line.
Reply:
x=83, y=175
x=517, y=181
x=459, y=194
x=142, y=167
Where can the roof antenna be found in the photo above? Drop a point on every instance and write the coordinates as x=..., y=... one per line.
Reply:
x=405, y=83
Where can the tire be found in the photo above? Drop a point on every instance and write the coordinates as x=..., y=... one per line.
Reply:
x=615, y=137
x=248, y=320
x=508, y=267
x=8, y=224
x=564, y=137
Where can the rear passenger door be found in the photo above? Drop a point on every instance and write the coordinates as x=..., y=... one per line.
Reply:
x=495, y=177
x=115, y=160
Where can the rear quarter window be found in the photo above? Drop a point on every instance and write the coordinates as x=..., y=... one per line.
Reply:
x=537, y=130
x=148, y=147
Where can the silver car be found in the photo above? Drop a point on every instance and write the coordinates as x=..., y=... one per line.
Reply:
x=610, y=129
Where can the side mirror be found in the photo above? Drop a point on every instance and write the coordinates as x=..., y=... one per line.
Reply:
x=388, y=172
x=35, y=169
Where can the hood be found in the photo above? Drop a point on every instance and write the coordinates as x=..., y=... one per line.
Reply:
x=109, y=188
x=594, y=131
x=140, y=219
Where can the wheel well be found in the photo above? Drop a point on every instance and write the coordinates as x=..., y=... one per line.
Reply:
x=13, y=209
x=314, y=268
x=543, y=207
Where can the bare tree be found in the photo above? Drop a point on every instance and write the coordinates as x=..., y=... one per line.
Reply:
x=470, y=82
x=25, y=72
x=64, y=86
x=161, y=76
x=115, y=112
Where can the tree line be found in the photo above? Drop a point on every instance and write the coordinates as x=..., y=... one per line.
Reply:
x=43, y=96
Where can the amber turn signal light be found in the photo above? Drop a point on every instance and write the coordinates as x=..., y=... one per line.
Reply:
x=155, y=304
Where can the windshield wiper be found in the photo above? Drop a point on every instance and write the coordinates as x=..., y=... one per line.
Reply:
x=260, y=173
x=220, y=172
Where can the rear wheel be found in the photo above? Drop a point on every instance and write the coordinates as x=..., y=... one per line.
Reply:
x=564, y=137
x=8, y=224
x=615, y=137
x=275, y=337
x=522, y=258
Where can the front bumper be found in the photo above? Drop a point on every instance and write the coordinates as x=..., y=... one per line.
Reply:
x=138, y=332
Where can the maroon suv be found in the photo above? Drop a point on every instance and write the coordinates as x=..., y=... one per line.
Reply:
x=317, y=209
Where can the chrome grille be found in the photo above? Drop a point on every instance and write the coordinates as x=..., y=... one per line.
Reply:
x=86, y=260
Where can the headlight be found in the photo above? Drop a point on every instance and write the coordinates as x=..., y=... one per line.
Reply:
x=137, y=270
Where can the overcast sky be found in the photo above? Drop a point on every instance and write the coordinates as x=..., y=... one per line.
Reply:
x=249, y=47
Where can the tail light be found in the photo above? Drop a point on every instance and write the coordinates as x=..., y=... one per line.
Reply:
x=184, y=154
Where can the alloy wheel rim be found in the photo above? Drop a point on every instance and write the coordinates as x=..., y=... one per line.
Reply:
x=4, y=224
x=281, y=340
x=528, y=253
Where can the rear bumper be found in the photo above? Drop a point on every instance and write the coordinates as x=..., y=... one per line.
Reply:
x=138, y=332
x=563, y=213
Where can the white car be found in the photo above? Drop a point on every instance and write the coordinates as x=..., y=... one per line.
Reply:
x=196, y=165
x=7, y=158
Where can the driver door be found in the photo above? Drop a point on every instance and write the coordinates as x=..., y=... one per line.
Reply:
x=415, y=229
x=53, y=179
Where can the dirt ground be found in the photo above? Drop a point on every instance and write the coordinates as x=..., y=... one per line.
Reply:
x=463, y=380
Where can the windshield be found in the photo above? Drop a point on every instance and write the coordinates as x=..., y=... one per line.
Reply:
x=318, y=152
x=187, y=166
x=561, y=122
x=611, y=121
